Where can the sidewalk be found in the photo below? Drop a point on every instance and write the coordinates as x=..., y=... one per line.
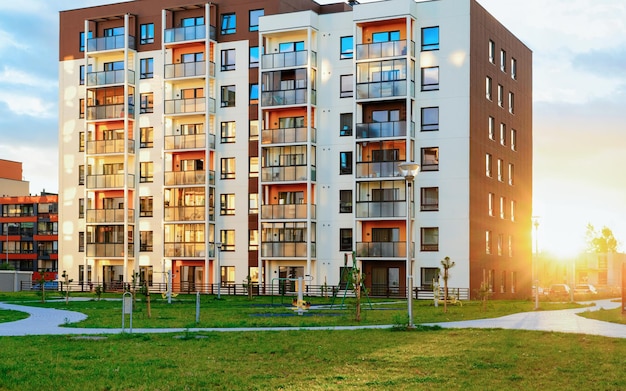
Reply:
x=46, y=321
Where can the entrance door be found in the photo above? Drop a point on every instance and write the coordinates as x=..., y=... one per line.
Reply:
x=289, y=272
x=385, y=281
x=190, y=276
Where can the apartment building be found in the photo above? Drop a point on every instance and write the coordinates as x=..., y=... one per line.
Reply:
x=237, y=140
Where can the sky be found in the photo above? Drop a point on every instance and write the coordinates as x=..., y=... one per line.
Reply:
x=579, y=108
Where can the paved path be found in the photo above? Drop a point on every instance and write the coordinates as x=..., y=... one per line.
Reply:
x=47, y=321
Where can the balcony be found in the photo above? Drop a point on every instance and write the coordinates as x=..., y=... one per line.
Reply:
x=287, y=97
x=115, y=111
x=288, y=211
x=292, y=173
x=108, y=250
x=110, y=77
x=287, y=136
x=383, y=129
x=110, y=43
x=382, y=89
x=108, y=215
x=186, y=141
x=184, y=213
x=383, y=49
x=110, y=146
x=381, y=249
x=286, y=249
x=289, y=59
x=377, y=169
x=178, y=178
x=109, y=181
x=195, y=250
x=190, y=33
x=376, y=209
x=188, y=69
x=186, y=106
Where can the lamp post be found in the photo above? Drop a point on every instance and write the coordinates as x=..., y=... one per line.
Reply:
x=409, y=171
x=218, y=248
x=536, y=258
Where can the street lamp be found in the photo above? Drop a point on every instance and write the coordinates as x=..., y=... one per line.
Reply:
x=409, y=171
x=218, y=248
x=535, y=277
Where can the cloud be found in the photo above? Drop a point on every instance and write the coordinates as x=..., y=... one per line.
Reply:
x=28, y=105
x=604, y=63
x=9, y=42
x=15, y=76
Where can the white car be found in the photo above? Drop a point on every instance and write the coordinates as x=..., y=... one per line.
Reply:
x=585, y=289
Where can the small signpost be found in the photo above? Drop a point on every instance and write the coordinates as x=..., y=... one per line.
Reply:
x=127, y=309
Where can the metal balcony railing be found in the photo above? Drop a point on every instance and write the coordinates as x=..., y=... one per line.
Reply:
x=381, y=249
x=177, y=178
x=286, y=249
x=377, y=169
x=383, y=89
x=190, y=33
x=292, y=173
x=185, y=141
x=108, y=215
x=108, y=250
x=194, y=105
x=116, y=111
x=373, y=209
x=287, y=97
x=110, y=77
x=109, y=181
x=287, y=136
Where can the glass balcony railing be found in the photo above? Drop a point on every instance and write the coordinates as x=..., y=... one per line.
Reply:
x=372, y=209
x=383, y=49
x=382, y=249
x=184, y=213
x=287, y=211
x=190, y=33
x=277, y=174
x=193, y=249
x=383, y=129
x=185, y=141
x=108, y=250
x=188, y=69
x=377, y=169
x=109, y=77
x=102, y=112
x=109, y=181
x=109, y=43
x=177, y=178
x=287, y=136
x=289, y=59
x=383, y=89
x=283, y=249
x=185, y=106
x=287, y=97
x=96, y=147
x=108, y=215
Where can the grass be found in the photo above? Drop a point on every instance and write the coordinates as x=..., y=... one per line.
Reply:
x=11, y=316
x=615, y=315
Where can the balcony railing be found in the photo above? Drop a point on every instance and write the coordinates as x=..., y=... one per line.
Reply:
x=377, y=169
x=95, y=147
x=109, y=181
x=110, y=77
x=108, y=215
x=288, y=135
x=188, y=69
x=289, y=59
x=287, y=211
x=190, y=33
x=185, y=141
x=383, y=89
x=383, y=129
x=109, y=43
x=287, y=97
x=284, y=249
x=109, y=112
x=292, y=173
x=183, y=106
x=177, y=178
x=184, y=250
x=108, y=250
x=367, y=209
x=381, y=249
x=383, y=49
x=184, y=213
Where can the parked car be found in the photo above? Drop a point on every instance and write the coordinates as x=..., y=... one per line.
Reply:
x=559, y=290
x=585, y=289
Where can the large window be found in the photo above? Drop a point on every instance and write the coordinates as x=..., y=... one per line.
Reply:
x=228, y=132
x=345, y=124
x=227, y=168
x=147, y=33
x=228, y=60
x=227, y=204
x=430, y=79
x=488, y=88
x=145, y=241
x=146, y=137
x=345, y=163
x=429, y=199
x=254, y=56
x=430, y=38
x=146, y=68
x=82, y=39
x=345, y=201
x=227, y=237
x=146, y=172
x=429, y=239
x=430, y=159
x=254, y=94
x=430, y=118
x=347, y=50
x=229, y=24
x=386, y=36
x=346, y=86
x=228, y=96
x=146, y=206
x=345, y=239
x=146, y=103
x=254, y=19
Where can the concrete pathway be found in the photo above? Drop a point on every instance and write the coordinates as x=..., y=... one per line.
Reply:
x=47, y=321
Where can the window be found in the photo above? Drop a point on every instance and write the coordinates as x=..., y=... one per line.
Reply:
x=512, y=210
x=228, y=132
x=492, y=52
x=488, y=165
x=430, y=159
x=81, y=242
x=513, y=140
x=492, y=128
x=511, y=174
x=503, y=282
x=227, y=168
x=254, y=94
x=254, y=19
x=429, y=199
x=146, y=172
x=490, y=200
x=145, y=240
x=228, y=273
x=253, y=127
x=229, y=24
x=347, y=50
x=253, y=240
x=500, y=243
x=345, y=163
x=345, y=201
x=253, y=203
x=228, y=60
x=511, y=103
x=227, y=204
x=487, y=242
x=502, y=60
x=346, y=86
x=146, y=103
x=147, y=33
x=345, y=124
x=146, y=137
x=500, y=173
x=430, y=118
x=114, y=31
x=81, y=142
x=253, y=167
x=502, y=207
x=81, y=174
x=502, y=134
x=81, y=108
x=82, y=73
x=500, y=95
x=146, y=206
x=81, y=208
x=429, y=238
x=430, y=38
x=82, y=39
x=296, y=46
x=345, y=239
x=194, y=21
x=510, y=245
x=430, y=79
x=254, y=57
x=488, y=88
x=146, y=68
x=386, y=36
x=228, y=96
x=513, y=69
x=227, y=237
x=513, y=281
x=429, y=276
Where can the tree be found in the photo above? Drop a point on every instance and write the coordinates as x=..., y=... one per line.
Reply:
x=600, y=242
x=447, y=264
